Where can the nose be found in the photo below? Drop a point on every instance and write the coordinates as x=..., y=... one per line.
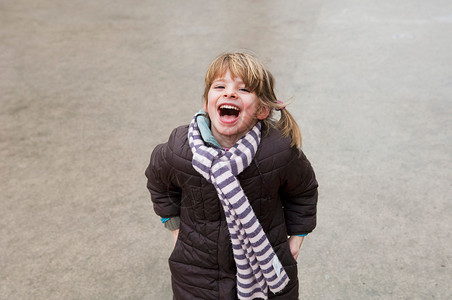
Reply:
x=229, y=93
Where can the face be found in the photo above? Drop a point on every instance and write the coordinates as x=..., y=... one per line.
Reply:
x=233, y=110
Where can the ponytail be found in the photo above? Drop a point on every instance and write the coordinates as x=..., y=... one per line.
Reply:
x=289, y=128
x=285, y=123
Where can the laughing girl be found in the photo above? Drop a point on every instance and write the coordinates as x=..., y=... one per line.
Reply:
x=235, y=189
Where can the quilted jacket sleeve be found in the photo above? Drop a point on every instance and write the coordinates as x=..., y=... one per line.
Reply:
x=299, y=195
x=165, y=194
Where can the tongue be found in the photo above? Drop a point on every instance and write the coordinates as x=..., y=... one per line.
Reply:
x=228, y=118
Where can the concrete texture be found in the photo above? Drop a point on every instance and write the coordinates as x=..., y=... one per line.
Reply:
x=88, y=88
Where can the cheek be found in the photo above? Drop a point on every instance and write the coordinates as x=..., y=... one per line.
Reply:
x=207, y=102
x=209, y=106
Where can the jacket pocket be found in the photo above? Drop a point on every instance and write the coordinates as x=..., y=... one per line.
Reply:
x=284, y=254
x=293, y=261
x=177, y=245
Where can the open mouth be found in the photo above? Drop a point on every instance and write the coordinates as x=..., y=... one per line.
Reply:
x=228, y=112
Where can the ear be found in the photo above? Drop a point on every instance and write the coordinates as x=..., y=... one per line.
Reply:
x=263, y=112
x=204, y=106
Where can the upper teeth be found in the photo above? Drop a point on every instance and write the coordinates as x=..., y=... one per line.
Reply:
x=229, y=107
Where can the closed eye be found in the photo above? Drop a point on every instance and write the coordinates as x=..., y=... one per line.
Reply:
x=245, y=90
x=219, y=87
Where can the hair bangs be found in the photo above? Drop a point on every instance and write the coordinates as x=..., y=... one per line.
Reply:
x=240, y=65
x=245, y=68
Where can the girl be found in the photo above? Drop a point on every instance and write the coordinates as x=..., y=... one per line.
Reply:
x=232, y=186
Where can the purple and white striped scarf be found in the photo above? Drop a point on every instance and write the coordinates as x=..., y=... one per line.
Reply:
x=258, y=267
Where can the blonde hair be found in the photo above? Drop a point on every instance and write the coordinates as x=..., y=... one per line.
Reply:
x=259, y=81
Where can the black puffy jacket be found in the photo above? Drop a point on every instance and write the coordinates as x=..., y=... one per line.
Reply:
x=281, y=187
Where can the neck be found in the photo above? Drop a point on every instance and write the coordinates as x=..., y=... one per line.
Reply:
x=227, y=141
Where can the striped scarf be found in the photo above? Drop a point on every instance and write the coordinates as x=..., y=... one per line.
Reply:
x=258, y=267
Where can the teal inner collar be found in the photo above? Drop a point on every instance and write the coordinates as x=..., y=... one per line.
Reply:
x=204, y=128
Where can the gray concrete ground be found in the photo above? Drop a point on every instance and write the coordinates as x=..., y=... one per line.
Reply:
x=88, y=88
